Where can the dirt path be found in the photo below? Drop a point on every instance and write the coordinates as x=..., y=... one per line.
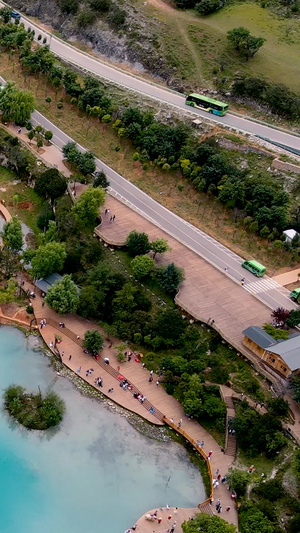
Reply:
x=181, y=23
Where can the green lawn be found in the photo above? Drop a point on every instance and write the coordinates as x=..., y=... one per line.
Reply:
x=6, y=175
x=20, y=199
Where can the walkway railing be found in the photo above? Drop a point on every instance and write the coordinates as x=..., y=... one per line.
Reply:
x=199, y=450
x=108, y=368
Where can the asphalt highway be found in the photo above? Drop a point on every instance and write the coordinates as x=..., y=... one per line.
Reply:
x=265, y=289
x=155, y=91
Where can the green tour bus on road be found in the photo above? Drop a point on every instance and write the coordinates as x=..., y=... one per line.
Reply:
x=295, y=295
x=207, y=104
x=255, y=267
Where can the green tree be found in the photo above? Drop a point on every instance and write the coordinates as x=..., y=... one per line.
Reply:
x=93, y=340
x=170, y=278
x=16, y=105
x=50, y=184
x=205, y=7
x=244, y=42
x=207, y=524
x=253, y=520
x=237, y=36
x=63, y=296
x=170, y=325
x=86, y=209
x=31, y=135
x=276, y=333
x=7, y=294
x=294, y=318
x=12, y=235
x=101, y=180
x=5, y=14
x=159, y=246
x=251, y=46
x=49, y=258
x=86, y=163
x=238, y=481
x=141, y=266
x=278, y=407
x=137, y=243
x=48, y=135
x=48, y=236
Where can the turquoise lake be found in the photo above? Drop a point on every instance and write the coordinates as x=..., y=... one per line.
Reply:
x=95, y=473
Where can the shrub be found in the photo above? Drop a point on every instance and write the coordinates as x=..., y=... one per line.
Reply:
x=170, y=388
x=100, y=5
x=86, y=17
x=238, y=481
x=117, y=16
x=137, y=243
x=294, y=318
x=34, y=411
x=142, y=265
x=208, y=6
x=93, y=340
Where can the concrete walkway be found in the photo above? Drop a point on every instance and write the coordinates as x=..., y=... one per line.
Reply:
x=292, y=276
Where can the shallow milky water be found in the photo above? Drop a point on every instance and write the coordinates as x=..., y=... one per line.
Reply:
x=94, y=474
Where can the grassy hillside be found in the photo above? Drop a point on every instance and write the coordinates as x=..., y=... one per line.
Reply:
x=197, y=46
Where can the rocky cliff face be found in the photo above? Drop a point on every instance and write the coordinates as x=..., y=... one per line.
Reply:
x=136, y=44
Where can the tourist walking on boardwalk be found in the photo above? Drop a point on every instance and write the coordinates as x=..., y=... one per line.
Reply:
x=180, y=423
x=209, y=455
x=79, y=369
x=157, y=383
x=70, y=357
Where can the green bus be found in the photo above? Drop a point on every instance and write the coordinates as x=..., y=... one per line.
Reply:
x=295, y=295
x=208, y=104
x=255, y=267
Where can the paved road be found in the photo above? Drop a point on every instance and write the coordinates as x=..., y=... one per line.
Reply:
x=96, y=66
x=267, y=290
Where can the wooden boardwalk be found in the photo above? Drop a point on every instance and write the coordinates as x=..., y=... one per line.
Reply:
x=163, y=403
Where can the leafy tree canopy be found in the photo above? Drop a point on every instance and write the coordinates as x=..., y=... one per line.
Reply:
x=159, y=246
x=141, y=266
x=93, y=340
x=50, y=184
x=137, y=243
x=170, y=278
x=294, y=318
x=254, y=521
x=16, y=105
x=63, y=296
x=238, y=481
x=207, y=524
x=12, y=235
x=244, y=42
x=49, y=258
x=86, y=209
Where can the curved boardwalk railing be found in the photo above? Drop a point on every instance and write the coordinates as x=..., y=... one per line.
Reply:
x=199, y=450
x=108, y=368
